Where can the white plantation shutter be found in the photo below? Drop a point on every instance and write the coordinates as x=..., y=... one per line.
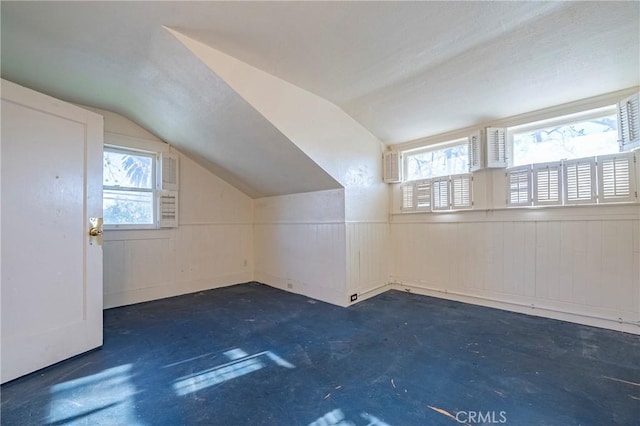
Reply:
x=616, y=178
x=168, y=209
x=440, y=193
x=408, y=197
x=423, y=195
x=496, y=147
x=461, y=191
x=519, y=186
x=475, y=152
x=168, y=171
x=580, y=181
x=629, y=122
x=168, y=184
x=392, y=167
x=546, y=183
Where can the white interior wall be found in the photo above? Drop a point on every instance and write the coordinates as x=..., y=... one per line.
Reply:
x=579, y=264
x=300, y=244
x=212, y=246
x=341, y=146
x=575, y=263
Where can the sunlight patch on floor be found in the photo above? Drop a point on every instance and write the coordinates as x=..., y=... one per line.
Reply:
x=96, y=399
x=337, y=418
x=241, y=364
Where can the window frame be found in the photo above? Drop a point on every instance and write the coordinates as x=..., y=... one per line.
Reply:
x=108, y=147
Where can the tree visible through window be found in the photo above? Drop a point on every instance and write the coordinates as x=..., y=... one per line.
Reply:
x=586, y=138
x=425, y=164
x=128, y=187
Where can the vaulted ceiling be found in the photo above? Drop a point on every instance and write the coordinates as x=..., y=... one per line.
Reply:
x=404, y=70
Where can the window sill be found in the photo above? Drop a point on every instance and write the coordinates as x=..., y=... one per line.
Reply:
x=609, y=211
x=137, y=234
x=130, y=227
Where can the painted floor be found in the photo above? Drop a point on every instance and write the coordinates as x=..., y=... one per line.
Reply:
x=254, y=355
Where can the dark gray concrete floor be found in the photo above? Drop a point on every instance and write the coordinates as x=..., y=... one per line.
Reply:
x=254, y=355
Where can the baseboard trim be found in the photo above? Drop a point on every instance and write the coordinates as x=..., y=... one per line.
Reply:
x=369, y=293
x=298, y=288
x=538, y=311
x=148, y=294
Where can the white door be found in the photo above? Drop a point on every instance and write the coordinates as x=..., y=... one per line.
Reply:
x=51, y=276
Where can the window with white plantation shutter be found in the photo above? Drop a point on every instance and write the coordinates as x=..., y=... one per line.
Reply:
x=423, y=195
x=140, y=183
x=440, y=193
x=168, y=209
x=169, y=172
x=629, y=122
x=461, y=191
x=475, y=152
x=519, y=186
x=546, y=184
x=579, y=180
x=496, y=147
x=616, y=178
x=408, y=197
x=392, y=167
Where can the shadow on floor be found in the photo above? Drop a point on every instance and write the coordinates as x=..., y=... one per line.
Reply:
x=254, y=355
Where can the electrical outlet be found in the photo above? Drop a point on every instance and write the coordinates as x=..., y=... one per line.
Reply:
x=354, y=297
x=289, y=285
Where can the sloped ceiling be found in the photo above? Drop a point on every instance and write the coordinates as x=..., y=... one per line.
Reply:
x=99, y=55
x=404, y=70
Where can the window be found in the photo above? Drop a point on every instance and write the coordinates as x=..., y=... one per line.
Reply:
x=129, y=183
x=139, y=189
x=588, y=157
x=574, y=159
x=565, y=138
x=426, y=163
x=438, y=176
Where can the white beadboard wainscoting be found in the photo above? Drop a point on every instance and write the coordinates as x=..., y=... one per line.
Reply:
x=368, y=258
x=579, y=264
x=299, y=244
x=149, y=265
x=303, y=244
x=304, y=258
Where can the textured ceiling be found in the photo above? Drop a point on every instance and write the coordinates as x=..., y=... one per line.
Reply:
x=404, y=70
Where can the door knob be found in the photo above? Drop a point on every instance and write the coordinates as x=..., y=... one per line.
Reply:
x=95, y=232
